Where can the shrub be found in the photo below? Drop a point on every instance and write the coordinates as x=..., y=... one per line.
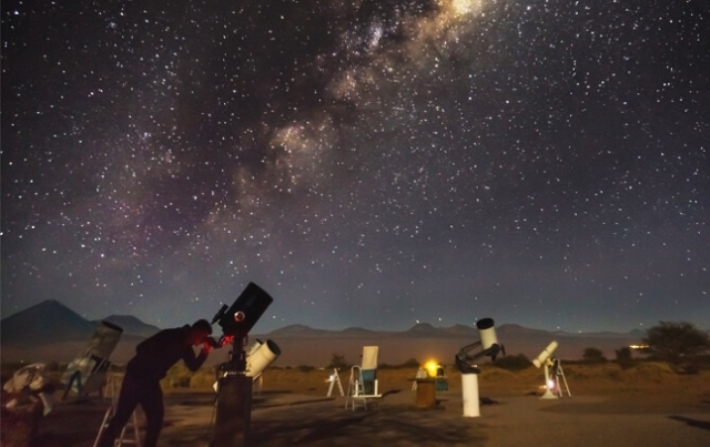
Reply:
x=411, y=363
x=674, y=341
x=623, y=354
x=178, y=376
x=689, y=368
x=623, y=357
x=593, y=355
x=203, y=378
x=338, y=362
x=513, y=362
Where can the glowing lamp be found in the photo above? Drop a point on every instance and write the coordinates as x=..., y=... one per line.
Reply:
x=431, y=367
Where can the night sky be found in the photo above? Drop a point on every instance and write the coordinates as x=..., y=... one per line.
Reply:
x=368, y=163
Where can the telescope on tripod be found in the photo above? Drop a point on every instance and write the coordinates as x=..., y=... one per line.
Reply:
x=489, y=347
x=235, y=376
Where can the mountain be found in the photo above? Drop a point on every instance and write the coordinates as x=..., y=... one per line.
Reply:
x=299, y=330
x=516, y=329
x=48, y=320
x=356, y=332
x=51, y=330
x=423, y=329
x=461, y=330
x=52, y=321
x=131, y=325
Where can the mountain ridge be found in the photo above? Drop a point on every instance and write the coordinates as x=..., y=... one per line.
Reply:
x=131, y=325
x=52, y=319
x=52, y=330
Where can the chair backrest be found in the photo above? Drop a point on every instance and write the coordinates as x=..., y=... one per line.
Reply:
x=369, y=357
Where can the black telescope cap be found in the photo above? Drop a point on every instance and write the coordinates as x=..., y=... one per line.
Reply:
x=484, y=323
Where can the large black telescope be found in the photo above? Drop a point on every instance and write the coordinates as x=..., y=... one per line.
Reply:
x=242, y=315
x=234, y=387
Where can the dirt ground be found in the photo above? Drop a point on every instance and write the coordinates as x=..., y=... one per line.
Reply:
x=647, y=405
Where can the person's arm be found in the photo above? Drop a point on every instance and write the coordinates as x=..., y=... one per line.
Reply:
x=193, y=362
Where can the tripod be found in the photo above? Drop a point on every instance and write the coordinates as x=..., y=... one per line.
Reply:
x=558, y=372
x=234, y=399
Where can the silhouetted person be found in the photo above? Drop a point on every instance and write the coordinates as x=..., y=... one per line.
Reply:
x=141, y=384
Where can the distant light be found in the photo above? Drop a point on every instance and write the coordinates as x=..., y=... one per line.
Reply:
x=638, y=346
x=431, y=367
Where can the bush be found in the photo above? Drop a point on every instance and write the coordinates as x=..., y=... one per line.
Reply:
x=204, y=378
x=673, y=341
x=338, y=362
x=689, y=368
x=411, y=363
x=623, y=357
x=513, y=362
x=178, y=376
x=305, y=368
x=593, y=355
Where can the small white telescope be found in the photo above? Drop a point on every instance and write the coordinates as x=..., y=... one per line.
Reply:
x=544, y=359
x=260, y=356
x=545, y=354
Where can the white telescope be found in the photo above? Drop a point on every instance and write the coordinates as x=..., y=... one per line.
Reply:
x=260, y=356
x=544, y=359
x=469, y=371
x=545, y=354
x=487, y=331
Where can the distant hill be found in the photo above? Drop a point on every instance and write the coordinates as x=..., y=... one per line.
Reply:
x=423, y=329
x=48, y=320
x=462, y=330
x=299, y=330
x=52, y=321
x=356, y=332
x=52, y=331
x=131, y=325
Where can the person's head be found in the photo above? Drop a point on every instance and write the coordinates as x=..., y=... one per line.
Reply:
x=199, y=331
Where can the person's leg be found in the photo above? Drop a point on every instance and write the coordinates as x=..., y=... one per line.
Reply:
x=152, y=403
x=127, y=401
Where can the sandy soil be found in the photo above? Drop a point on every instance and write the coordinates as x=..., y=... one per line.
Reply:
x=648, y=405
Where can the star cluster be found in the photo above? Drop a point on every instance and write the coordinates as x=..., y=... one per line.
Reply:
x=369, y=163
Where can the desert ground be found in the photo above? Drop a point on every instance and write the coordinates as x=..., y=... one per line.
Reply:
x=647, y=404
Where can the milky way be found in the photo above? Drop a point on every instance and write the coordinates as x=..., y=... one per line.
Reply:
x=368, y=163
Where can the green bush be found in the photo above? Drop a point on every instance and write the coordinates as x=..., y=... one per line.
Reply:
x=593, y=355
x=338, y=362
x=623, y=357
x=203, y=378
x=513, y=362
x=411, y=363
x=178, y=376
x=672, y=342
